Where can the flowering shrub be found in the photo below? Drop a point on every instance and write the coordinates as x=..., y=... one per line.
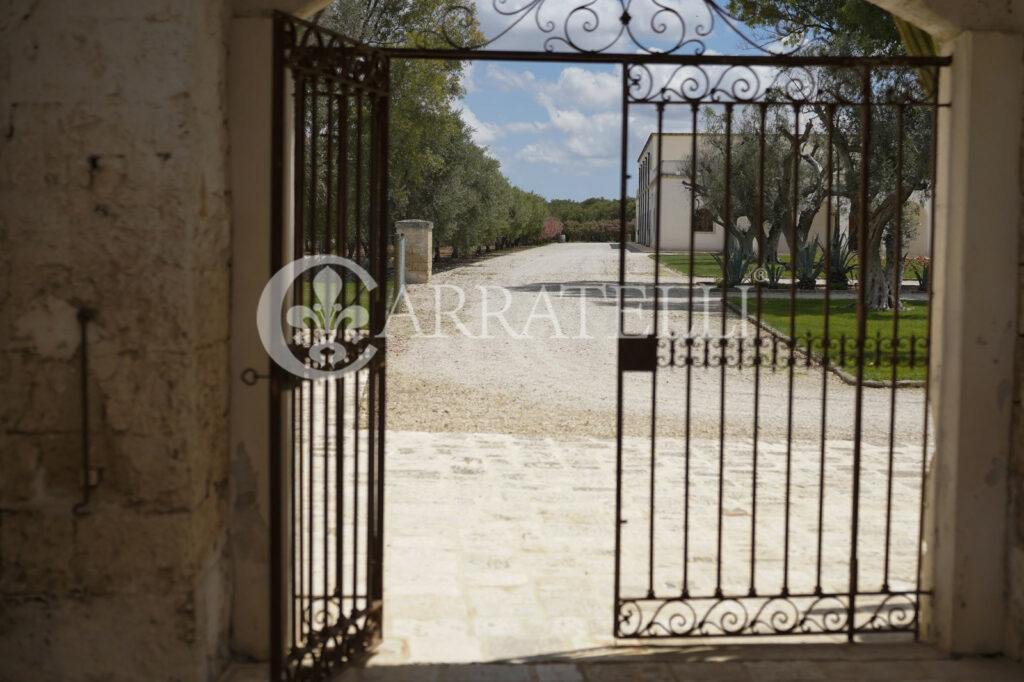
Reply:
x=920, y=267
x=552, y=228
x=594, y=230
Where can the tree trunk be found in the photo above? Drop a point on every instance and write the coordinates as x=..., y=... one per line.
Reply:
x=771, y=244
x=877, y=285
x=878, y=279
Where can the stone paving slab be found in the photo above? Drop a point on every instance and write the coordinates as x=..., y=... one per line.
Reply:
x=502, y=546
x=744, y=663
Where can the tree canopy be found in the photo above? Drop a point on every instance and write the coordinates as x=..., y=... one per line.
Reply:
x=436, y=172
x=900, y=137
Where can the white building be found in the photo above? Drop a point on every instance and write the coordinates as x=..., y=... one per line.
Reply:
x=709, y=236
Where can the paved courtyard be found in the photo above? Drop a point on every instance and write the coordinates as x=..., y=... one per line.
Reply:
x=723, y=663
x=502, y=546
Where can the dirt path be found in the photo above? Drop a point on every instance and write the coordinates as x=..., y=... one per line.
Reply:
x=560, y=379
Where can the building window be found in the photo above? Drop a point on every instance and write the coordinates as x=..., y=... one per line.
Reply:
x=702, y=221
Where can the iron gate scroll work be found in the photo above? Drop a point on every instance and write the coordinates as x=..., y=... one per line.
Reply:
x=330, y=119
x=733, y=515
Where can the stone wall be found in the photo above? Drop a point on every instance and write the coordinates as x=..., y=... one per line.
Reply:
x=113, y=195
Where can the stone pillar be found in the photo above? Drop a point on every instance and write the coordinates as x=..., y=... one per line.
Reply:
x=975, y=326
x=419, y=249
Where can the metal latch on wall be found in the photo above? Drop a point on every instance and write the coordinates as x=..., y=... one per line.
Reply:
x=91, y=476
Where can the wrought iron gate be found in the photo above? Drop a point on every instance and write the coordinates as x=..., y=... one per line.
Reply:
x=329, y=189
x=780, y=490
x=767, y=518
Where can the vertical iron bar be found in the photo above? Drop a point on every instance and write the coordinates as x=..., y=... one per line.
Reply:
x=897, y=277
x=357, y=296
x=382, y=346
x=721, y=345
x=310, y=244
x=374, y=296
x=763, y=107
x=830, y=232
x=793, y=257
x=618, y=373
x=325, y=224
x=339, y=384
x=298, y=239
x=862, y=198
x=654, y=370
x=689, y=349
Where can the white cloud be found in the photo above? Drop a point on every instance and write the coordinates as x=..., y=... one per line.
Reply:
x=468, y=77
x=582, y=130
x=525, y=127
x=579, y=130
x=509, y=79
x=579, y=87
x=483, y=133
x=542, y=153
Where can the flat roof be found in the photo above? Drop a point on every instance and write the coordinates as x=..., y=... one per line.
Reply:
x=653, y=135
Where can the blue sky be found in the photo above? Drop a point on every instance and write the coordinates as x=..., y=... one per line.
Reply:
x=556, y=128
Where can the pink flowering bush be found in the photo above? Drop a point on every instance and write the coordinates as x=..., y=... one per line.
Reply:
x=552, y=228
x=594, y=230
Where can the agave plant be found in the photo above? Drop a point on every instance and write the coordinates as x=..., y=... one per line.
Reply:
x=772, y=273
x=842, y=261
x=807, y=265
x=736, y=268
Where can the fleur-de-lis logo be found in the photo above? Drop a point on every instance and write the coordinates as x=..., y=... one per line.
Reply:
x=331, y=334
x=326, y=321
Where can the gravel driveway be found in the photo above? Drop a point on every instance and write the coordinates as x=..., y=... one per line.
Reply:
x=562, y=380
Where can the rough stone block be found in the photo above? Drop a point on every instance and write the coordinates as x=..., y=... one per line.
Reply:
x=48, y=399
x=121, y=551
x=37, y=548
x=116, y=638
x=419, y=250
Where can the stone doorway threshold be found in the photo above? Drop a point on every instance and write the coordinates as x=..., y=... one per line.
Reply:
x=711, y=663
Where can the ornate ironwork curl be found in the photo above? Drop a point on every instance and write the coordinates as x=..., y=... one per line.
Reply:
x=777, y=82
x=329, y=641
x=312, y=51
x=750, y=615
x=597, y=26
x=897, y=611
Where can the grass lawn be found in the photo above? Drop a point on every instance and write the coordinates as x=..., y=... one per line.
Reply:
x=810, y=319
x=704, y=265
